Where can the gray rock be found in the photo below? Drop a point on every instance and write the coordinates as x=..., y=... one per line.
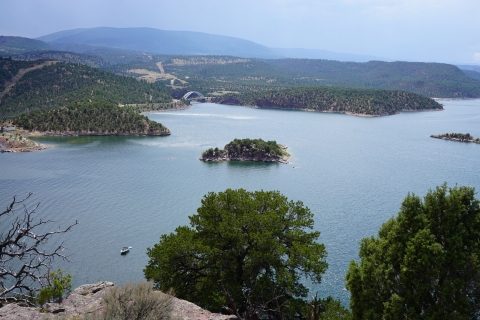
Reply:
x=87, y=299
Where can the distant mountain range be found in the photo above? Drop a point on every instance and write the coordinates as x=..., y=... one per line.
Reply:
x=182, y=43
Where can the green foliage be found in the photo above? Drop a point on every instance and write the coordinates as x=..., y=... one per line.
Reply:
x=424, y=264
x=59, y=285
x=246, y=253
x=90, y=118
x=132, y=301
x=61, y=84
x=356, y=101
x=428, y=79
x=247, y=147
x=459, y=136
x=326, y=309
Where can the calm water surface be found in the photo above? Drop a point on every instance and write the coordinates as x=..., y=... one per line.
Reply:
x=352, y=172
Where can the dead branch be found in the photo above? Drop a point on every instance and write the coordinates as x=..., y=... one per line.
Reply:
x=24, y=264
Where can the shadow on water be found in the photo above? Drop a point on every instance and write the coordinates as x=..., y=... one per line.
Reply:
x=84, y=140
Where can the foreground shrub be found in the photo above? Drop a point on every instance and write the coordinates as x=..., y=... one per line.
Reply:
x=135, y=301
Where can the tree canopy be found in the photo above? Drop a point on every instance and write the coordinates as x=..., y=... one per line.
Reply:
x=424, y=264
x=90, y=118
x=246, y=253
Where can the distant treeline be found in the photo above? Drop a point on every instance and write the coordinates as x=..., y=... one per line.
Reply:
x=329, y=99
x=100, y=118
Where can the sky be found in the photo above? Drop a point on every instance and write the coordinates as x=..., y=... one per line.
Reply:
x=408, y=30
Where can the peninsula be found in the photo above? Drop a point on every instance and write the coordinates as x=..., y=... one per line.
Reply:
x=456, y=137
x=256, y=150
x=359, y=102
x=14, y=140
x=101, y=119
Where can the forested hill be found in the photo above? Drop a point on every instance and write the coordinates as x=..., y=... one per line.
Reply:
x=90, y=119
x=328, y=99
x=17, y=45
x=437, y=80
x=27, y=86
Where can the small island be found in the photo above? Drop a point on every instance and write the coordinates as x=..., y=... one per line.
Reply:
x=256, y=150
x=456, y=137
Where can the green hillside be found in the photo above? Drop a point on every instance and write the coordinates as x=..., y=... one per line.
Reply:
x=10, y=46
x=215, y=74
x=90, y=119
x=428, y=79
x=64, y=56
x=342, y=100
x=61, y=84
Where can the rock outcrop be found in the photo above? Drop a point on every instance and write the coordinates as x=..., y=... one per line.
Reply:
x=88, y=299
x=18, y=141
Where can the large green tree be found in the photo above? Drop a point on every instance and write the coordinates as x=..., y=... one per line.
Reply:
x=246, y=253
x=424, y=264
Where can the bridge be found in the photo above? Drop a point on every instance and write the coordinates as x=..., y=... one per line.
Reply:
x=197, y=95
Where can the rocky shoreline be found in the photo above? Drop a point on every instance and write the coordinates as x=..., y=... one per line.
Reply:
x=96, y=133
x=456, y=137
x=87, y=299
x=18, y=141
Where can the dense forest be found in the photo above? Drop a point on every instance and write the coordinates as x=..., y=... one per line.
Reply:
x=247, y=150
x=90, y=119
x=428, y=79
x=329, y=99
x=217, y=74
x=60, y=84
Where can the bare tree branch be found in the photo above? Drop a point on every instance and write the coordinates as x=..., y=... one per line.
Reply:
x=24, y=264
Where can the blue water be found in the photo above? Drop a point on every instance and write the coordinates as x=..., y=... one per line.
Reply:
x=352, y=172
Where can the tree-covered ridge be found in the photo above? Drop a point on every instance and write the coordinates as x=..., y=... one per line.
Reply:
x=248, y=150
x=16, y=45
x=328, y=99
x=462, y=137
x=64, y=56
x=428, y=79
x=438, y=80
x=9, y=68
x=63, y=83
x=86, y=119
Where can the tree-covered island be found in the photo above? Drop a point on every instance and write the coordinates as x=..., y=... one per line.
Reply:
x=462, y=137
x=256, y=150
x=360, y=102
x=84, y=119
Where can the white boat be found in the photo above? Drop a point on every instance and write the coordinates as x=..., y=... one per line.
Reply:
x=124, y=250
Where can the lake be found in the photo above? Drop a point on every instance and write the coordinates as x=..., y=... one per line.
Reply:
x=352, y=172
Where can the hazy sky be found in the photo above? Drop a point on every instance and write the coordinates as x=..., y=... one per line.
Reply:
x=413, y=30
